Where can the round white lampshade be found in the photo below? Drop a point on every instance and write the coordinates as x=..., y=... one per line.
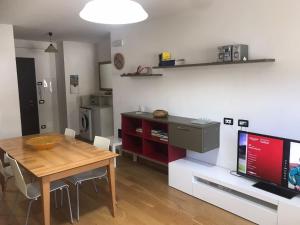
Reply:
x=113, y=12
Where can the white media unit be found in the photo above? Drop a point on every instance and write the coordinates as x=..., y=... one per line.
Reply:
x=235, y=194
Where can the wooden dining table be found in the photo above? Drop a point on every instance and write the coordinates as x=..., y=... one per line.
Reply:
x=68, y=157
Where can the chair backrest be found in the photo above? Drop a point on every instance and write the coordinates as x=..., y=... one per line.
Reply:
x=102, y=142
x=69, y=132
x=19, y=179
x=6, y=160
x=2, y=168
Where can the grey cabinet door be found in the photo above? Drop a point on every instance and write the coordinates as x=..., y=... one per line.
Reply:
x=184, y=136
x=194, y=138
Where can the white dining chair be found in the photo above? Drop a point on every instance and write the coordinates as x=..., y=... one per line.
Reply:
x=102, y=142
x=115, y=143
x=93, y=175
x=32, y=190
x=6, y=160
x=69, y=132
x=6, y=173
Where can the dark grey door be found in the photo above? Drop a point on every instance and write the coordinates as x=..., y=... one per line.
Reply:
x=28, y=96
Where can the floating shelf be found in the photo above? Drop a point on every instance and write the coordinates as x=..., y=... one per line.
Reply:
x=216, y=63
x=140, y=75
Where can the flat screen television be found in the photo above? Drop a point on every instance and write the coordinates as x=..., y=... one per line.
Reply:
x=273, y=161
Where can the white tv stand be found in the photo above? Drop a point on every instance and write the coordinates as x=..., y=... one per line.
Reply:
x=217, y=186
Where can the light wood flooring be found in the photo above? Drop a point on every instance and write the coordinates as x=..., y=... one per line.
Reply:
x=144, y=198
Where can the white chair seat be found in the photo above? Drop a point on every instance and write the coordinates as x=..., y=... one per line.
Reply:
x=34, y=191
x=76, y=180
x=89, y=175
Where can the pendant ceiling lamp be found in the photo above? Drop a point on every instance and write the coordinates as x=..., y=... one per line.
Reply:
x=113, y=12
x=51, y=48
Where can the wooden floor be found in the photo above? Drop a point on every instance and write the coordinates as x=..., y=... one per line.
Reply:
x=144, y=198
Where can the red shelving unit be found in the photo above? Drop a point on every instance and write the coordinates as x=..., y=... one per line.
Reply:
x=136, y=134
x=147, y=145
x=156, y=139
x=156, y=151
x=132, y=143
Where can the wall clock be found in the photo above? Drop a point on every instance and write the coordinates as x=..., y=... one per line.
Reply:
x=119, y=61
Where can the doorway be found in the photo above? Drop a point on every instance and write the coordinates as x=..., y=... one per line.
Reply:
x=28, y=96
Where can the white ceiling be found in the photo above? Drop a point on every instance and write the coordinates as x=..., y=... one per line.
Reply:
x=33, y=19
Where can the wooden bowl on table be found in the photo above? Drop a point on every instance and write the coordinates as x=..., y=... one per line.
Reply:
x=43, y=142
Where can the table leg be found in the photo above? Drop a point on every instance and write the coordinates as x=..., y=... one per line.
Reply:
x=45, y=188
x=114, y=151
x=112, y=185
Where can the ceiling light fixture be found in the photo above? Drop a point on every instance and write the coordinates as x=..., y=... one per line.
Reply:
x=51, y=48
x=113, y=12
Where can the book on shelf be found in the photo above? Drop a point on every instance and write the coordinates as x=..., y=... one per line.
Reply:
x=139, y=130
x=160, y=134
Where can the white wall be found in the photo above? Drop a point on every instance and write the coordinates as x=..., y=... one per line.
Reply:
x=79, y=59
x=61, y=88
x=103, y=49
x=10, y=122
x=266, y=94
x=45, y=69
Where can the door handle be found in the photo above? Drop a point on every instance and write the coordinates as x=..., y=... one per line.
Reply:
x=183, y=128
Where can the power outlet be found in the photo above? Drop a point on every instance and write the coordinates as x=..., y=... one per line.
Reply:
x=228, y=121
x=243, y=123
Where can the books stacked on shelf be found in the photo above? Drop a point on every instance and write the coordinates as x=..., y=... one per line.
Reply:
x=139, y=130
x=163, y=136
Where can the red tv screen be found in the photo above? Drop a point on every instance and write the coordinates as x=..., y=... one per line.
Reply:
x=262, y=157
x=270, y=159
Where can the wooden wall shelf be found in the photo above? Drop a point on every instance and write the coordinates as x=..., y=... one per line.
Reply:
x=216, y=63
x=140, y=75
